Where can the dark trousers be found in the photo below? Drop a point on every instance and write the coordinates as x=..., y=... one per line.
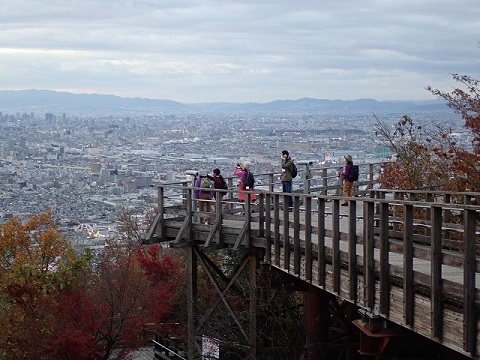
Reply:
x=287, y=188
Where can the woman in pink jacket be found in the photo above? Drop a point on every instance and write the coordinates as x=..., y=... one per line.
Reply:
x=242, y=171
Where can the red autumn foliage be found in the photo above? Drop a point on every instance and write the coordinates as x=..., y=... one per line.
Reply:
x=55, y=305
x=431, y=158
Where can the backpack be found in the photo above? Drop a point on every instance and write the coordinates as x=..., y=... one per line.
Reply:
x=205, y=183
x=220, y=183
x=249, y=180
x=294, y=170
x=224, y=183
x=353, y=173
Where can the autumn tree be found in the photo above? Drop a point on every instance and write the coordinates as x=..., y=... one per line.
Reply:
x=428, y=156
x=418, y=161
x=56, y=304
x=464, y=100
x=41, y=297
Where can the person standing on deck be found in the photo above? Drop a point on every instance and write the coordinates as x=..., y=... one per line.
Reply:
x=204, y=197
x=347, y=183
x=286, y=178
x=242, y=170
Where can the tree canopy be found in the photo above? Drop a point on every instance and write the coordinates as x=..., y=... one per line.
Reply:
x=56, y=304
x=430, y=156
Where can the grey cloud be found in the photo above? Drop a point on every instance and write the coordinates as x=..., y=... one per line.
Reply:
x=195, y=51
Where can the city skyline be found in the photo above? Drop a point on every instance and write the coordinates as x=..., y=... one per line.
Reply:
x=233, y=51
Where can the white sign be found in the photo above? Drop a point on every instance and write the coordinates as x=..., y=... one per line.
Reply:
x=210, y=349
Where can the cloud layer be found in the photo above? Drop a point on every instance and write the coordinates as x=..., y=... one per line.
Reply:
x=239, y=51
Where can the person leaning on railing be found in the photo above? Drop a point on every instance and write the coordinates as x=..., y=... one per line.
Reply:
x=347, y=183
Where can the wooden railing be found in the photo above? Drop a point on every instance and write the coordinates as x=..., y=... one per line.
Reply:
x=407, y=257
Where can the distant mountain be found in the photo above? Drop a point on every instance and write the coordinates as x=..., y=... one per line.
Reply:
x=52, y=101
x=64, y=102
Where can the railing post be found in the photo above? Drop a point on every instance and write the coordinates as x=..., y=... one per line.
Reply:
x=408, y=294
x=268, y=228
x=296, y=235
x=436, y=272
x=352, y=251
x=276, y=227
x=308, y=238
x=370, y=176
x=161, y=211
x=384, y=265
x=248, y=218
x=261, y=214
x=321, y=202
x=324, y=181
x=368, y=254
x=218, y=216
x=336, y=245
x=306, y=179
x=191, y=210
x=469, y=288
x=271, y=185
x=286, y=233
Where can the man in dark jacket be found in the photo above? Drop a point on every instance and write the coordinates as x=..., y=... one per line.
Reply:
x=287, y=177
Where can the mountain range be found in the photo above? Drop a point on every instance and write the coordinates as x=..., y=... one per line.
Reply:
x=64, y=102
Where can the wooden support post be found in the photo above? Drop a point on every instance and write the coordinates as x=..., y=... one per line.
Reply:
x=191, y=301
x=316, y=322
x=253, y=306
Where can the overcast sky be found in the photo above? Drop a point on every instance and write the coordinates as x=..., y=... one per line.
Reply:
x=196, y=51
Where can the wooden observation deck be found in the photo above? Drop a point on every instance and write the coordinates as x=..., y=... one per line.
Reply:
x=408, y=258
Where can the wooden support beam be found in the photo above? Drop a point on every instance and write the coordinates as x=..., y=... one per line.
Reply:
x=187, y=222
x=222, y=296
x=221, y=292
x=241, y=236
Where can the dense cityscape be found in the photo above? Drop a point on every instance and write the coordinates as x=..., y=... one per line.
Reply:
x=88, y=168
